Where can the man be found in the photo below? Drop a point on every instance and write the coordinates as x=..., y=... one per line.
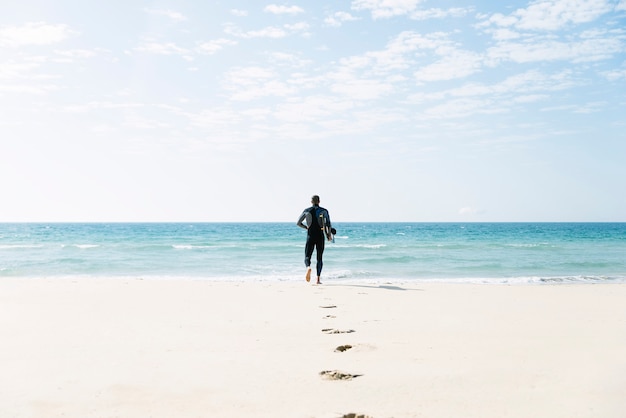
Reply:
x=318, y=229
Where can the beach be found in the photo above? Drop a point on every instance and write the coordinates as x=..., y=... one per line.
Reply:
x=100, y=347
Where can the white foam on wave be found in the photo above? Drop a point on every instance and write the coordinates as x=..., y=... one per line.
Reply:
x=81, y=246
x=360, y=277
x=369, y=246
x=531, y=245
x=19, y=246
x=189, y=247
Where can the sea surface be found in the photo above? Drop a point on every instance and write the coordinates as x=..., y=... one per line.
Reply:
x=362, y=252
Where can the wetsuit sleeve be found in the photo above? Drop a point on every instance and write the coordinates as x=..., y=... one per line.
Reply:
x=303, y=217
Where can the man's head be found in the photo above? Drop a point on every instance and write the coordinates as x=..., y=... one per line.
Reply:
x=315, y=200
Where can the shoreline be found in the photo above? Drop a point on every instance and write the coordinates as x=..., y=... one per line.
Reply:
x=163, y=348
x=330, y=280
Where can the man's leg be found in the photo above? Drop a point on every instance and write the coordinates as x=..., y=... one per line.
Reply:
x=320, y=252
x=308, y=252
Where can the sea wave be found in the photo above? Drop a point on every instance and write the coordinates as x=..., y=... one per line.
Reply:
x=85, y=246
x=190, y=247
x=368, y=246
x=19, y=246
x=532, y=245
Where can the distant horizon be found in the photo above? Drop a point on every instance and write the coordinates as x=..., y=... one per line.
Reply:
x=289, y=222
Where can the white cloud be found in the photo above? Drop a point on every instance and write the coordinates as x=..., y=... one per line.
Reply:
x=327, y=116
x=550, y=15
x=460, y=108
x=535, y=81
x=272, y=32
x=312, y=108
x=593, y=107
x=276, y=9
x=386, y=8
x=250, y=83
x=530, y=98
x=21, y=76
x=555, y=14
x=267, y=32
x=533, y=50
x=498, y=19
x=28, y=88
x=33, y=33
x=238, y=12
x=362, y=89
x=408, y=48
x=211, y=47
x=76, y=53
x=270, y=88
x=12, y=69
x=470, y=211
x=621, y=5
x=249, y=75
x=161, y=48
x=73, y=56
x=504, y=34
x=613, y=75
x=439, y=13
x=297, y=27
x=471, y=98
x=521, y=36
x=290, y=60
x=337, y=19
x=99, y=105
x=399, y=53
x=175, y=16
x=433, y=40
x=454, y=64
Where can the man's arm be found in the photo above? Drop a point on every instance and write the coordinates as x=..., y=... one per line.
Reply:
x=302, y=218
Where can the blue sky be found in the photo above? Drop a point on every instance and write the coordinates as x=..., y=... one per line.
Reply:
x=391, y=110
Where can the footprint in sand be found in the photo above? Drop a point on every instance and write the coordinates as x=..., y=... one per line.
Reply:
x=337, y=331
x=337, y=375
x=353, y=415
x=328, y=306
x=330, y=317
x=343, y=348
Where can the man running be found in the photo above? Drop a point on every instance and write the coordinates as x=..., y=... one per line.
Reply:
x=318, y=229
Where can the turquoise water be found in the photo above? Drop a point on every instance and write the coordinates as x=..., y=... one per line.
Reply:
x=366, y=252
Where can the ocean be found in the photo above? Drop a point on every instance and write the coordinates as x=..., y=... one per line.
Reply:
x=522, y=253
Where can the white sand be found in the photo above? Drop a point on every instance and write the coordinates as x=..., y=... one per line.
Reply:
x=118, y=348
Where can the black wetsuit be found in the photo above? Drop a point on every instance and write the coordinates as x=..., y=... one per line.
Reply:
x=315, y=236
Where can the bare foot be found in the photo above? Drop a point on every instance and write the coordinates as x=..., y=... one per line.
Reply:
x=308, y=274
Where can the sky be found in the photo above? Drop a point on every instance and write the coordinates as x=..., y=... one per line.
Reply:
x=390, y=110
